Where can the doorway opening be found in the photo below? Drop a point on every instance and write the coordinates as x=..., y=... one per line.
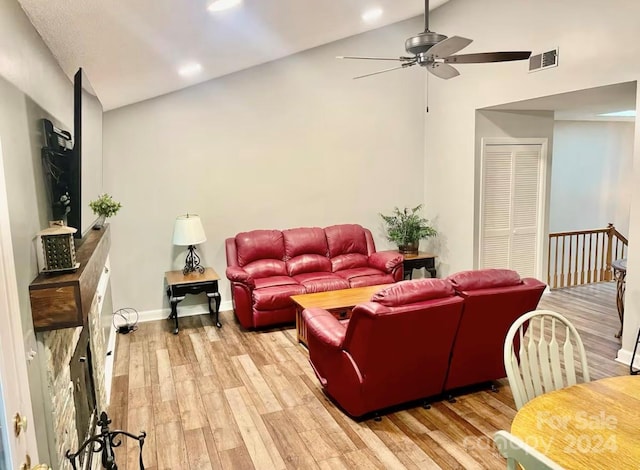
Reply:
x=587, y=185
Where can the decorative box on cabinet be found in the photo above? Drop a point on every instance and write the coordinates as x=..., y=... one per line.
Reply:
x=64, y=300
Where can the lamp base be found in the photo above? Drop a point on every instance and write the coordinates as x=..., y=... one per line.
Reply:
x=192, y=263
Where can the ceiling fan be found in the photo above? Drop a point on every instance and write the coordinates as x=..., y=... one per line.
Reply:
x=435, y=52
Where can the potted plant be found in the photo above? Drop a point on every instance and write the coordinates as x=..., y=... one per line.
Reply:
x=406, y=228
x=104, y=207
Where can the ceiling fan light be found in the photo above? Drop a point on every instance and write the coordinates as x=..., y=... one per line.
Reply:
x=221, y=5
x=371, y=15
x=190, y=69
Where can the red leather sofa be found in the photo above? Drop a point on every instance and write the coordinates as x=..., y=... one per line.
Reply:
x=493, y=300
x=267, y=267
x=418, y=339
x=394, y=349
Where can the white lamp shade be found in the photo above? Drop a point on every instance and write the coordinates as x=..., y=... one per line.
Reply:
x=188, y=230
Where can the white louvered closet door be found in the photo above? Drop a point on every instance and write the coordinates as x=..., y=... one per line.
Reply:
x=511, y=192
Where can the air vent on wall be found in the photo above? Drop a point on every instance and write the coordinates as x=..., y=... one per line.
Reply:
x=543, y=60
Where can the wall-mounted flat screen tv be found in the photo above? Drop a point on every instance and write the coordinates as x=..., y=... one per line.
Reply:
x=87, y=125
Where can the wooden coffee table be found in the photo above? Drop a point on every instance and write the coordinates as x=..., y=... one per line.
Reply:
x=338, y=302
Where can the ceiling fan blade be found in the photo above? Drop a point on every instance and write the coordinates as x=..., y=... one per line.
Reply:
x=487, y=57
x=401, y=59
x=442, y=70
x=408, y=64
x=447, y=47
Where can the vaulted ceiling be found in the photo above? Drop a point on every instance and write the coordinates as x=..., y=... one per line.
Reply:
x=133, y=50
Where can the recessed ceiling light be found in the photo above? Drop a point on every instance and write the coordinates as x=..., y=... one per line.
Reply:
x=627, y=113
x=372, y=15
x=219, y=5
x=189, y=70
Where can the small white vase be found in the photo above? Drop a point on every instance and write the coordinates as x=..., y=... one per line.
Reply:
x=100, y=222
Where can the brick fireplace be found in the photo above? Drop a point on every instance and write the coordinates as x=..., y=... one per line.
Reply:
x=73, y=359
x=75, y=362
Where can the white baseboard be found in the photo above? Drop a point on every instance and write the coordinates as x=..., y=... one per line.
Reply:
x=183, y=311
x=624, y=357
x=108, y=363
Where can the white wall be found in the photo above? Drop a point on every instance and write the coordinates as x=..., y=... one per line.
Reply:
x=589, y=56
x=27, y=63
x=506, y=124
x=295, y=142
x=601, y=153
x=32, y=87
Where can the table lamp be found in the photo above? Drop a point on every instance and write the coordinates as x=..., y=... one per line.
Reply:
x=188, y=231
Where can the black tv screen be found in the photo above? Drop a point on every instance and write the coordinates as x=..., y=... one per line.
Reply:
x=74, y=218
x=87, y=121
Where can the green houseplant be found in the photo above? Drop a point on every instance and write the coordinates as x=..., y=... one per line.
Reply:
x=406, y=228
x=104, y=207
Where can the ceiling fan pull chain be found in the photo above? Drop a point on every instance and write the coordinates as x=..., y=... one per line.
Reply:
x=427, y=94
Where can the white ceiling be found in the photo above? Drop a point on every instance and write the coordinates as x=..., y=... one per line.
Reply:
x=131, y=50
x=582, y=105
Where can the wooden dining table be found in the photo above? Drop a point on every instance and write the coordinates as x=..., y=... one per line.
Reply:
x=594, y=425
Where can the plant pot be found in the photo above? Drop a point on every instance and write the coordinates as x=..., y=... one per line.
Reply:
x=100, y=222
x=409, y=249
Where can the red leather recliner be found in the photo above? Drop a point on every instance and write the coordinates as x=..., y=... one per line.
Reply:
x=493, y=300
x=394, y=349
x=267, y=267
x=402, y=347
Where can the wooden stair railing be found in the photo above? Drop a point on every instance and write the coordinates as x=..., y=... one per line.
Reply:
x=583, y=256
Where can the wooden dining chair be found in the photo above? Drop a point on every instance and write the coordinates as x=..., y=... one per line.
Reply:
x=518, y=452
x=542, y=352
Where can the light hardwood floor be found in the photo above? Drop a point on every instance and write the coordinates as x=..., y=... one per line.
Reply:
x=213, y=398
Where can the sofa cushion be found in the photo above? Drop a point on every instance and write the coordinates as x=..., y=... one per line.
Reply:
x=321, y=282
x=410, y=292
x=301, y=241
x=266, y=268
x=271, y=298
x=345, y=239
x=310, y=263
x=274, y=281
x=484, y=279
x=259, y=244
x=358, y=272
x=349, y=261
x=373, y=280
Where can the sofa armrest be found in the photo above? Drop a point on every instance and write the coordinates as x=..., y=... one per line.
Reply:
x=237, y=274
x=386, y=261
x=324, y=327
x=532, y=282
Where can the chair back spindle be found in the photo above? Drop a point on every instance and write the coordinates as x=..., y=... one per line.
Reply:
x=543, y=352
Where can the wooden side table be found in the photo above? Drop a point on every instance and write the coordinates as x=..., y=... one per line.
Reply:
x=179, y=285
x=421, y=260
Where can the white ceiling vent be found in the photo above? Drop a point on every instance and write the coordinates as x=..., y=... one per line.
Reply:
x=543, y=60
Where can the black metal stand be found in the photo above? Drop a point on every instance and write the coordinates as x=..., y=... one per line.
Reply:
x=177, y=293
x=192, y=263
x=633, y=356
x=104, y=443
x=409, y=264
